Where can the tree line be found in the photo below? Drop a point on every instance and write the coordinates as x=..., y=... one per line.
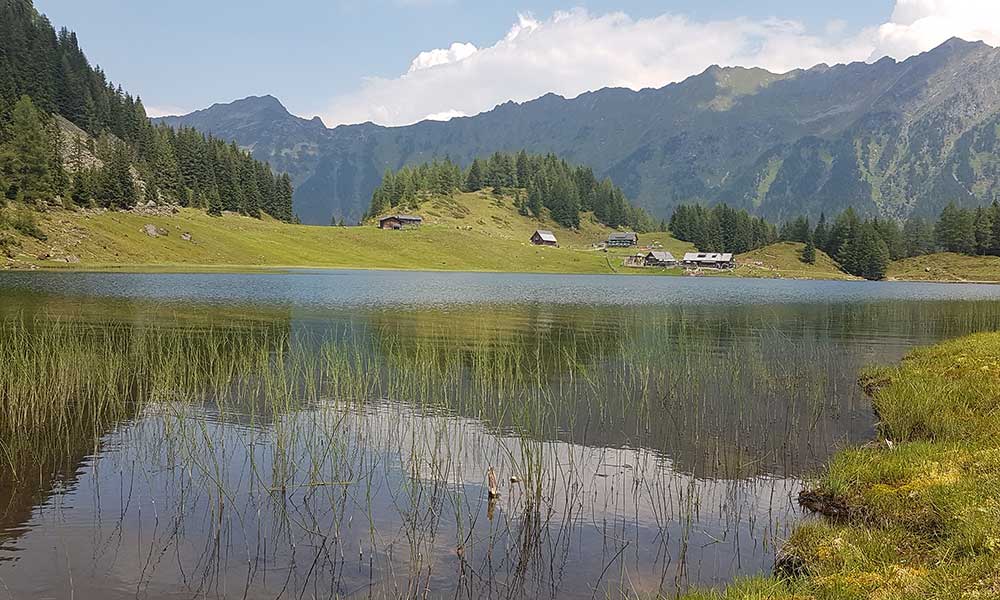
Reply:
x=865, y=247
x=721, y=228
x=538, y=182
x=862, y=247
x=121, y=158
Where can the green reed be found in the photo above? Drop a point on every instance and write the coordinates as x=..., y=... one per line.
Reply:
x=657, y=383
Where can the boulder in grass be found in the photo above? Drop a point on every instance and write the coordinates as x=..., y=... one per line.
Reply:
x=154, y=231
x=186, y=237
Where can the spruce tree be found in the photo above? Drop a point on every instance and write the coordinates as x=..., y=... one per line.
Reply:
x=535, y=198
x=918, y=237
x=821, y=232
x=119, y=189
x=955, y=230
x=995, y=237
x=522, y=169
x=809, y=253
x=28, y=164
x=285, y=198
x=983, y=230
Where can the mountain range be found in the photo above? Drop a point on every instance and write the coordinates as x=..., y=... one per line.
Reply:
x=889, y=138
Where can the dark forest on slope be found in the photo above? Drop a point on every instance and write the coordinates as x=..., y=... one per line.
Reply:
x=67, y=132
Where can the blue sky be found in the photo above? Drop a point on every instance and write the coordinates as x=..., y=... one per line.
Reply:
x=347, y=60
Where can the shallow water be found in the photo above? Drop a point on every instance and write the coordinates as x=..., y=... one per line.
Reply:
x=659, y=430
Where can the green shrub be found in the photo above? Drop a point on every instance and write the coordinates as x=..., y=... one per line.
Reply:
x=22, y=220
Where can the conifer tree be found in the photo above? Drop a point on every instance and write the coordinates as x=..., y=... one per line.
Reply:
x=119, y=189
x=821, y=232
x=995, y=237
x=28, y=164
x=474, y=178
x=809, y=253
x=956, y=230
x=535, y=198
x=983, y=230
x=522, y=169
x=918, y=237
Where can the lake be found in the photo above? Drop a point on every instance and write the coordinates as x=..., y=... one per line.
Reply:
x=330, y=433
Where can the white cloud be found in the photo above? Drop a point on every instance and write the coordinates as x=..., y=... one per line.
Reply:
x=919, y=25
x=165, y=111
x=445, y=115
x=442, y=56
x=575, y=51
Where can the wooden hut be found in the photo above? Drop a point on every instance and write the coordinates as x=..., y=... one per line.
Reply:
x=622, y=240
x=399, y=222
x=543, y=237
x=660, y=259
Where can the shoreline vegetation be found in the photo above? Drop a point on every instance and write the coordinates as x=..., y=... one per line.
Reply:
x=916, y=512
x=475, y=232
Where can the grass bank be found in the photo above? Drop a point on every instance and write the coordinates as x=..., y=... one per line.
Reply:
x=917, y=513
x=784, y=260
x=946, y=267
x=468, y=232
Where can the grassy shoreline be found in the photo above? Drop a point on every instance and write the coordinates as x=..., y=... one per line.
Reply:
x=916, y=513
x=475, y=233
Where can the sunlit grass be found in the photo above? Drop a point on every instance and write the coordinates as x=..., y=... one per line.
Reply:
x=923, y=502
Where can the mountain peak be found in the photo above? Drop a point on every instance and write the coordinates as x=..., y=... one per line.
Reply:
x=957, y=44
x=258, y=103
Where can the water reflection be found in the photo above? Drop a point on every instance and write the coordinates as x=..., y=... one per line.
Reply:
x=289, y=450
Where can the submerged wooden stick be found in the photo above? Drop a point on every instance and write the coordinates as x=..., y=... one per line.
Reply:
x=494, y=487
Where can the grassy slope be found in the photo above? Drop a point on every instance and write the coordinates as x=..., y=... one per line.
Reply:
x=947, y=267
x=923, y=503
x=784, y=260
x=475, y=232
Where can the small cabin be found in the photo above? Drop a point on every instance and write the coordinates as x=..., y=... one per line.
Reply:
x=660, y=259
x=543, y=237
x=399, y=222
x=623, y=240
x=711, y=260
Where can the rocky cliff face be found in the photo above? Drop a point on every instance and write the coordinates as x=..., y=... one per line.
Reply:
x=889, y=138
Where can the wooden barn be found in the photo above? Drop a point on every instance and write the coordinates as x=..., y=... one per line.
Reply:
x=399, y=222
x=622, y=240
x=542, y=237
x=660, y=259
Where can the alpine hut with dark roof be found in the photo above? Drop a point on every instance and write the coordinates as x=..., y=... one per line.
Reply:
x=399, y=222
x=543, y=237
x=623, y=240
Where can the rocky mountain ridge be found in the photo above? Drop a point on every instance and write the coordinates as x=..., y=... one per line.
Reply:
x=889, y=138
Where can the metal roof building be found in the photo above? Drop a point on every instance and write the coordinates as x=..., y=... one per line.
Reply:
x=709, y=259
x=544, y=237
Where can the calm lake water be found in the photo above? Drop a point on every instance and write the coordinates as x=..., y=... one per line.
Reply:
x=328, y=433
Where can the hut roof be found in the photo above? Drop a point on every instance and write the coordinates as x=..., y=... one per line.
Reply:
x=403, y=218
x=708, y=257
x=546, y=235
x=661, y=256
x=625, y=237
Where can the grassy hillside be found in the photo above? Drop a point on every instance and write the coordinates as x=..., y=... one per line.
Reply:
x=784, y=260
x=474, y=232
x=946, y=267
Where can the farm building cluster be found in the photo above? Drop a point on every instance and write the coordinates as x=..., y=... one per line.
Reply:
x=691, y=260
x=628, y=239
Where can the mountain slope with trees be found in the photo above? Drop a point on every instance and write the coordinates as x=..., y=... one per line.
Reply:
x=892, y=139
x=69, y=135
x=538, y=183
